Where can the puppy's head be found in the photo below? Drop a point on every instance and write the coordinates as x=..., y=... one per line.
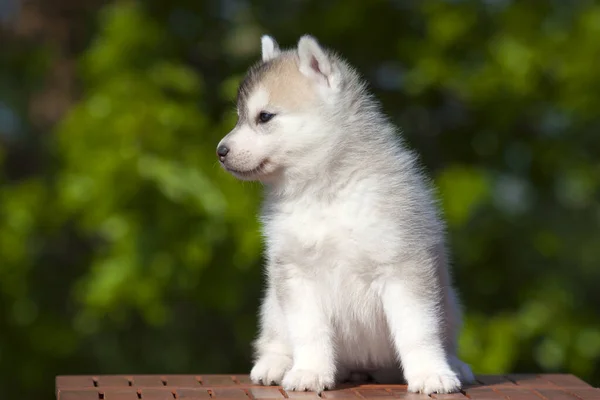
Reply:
x=282, y=109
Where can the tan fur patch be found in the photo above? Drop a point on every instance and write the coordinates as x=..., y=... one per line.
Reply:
x=288, y=88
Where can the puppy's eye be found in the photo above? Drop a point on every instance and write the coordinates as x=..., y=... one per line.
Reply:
x=265, y=117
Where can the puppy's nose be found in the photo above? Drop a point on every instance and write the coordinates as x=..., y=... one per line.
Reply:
x=222, y=151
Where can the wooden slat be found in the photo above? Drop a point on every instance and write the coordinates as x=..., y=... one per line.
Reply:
x=403, y=394
x=483, y=393
x=144, y=381
x=78, y=395
x=228, y=393
x=374, y=393
x=449, y=396
x=74, y=382
x=266, y=393
x=217, y=380
x=494, y=380
x=120, y=394
x=113, y=381
x=156, y=394
x=587, y=393
x=303, y=395
x=187, y=381
x=340, y=394
x=566, y=380
x=518, y=393
x=192, y=394
x=556, y=394
x=530, y=380
x=243, y=380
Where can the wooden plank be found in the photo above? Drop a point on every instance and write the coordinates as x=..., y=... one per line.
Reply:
x=585, y=393
x=112, y=381
x=483, y=393
x=566, y=380
x=156, y=394
x=243, y=380
x=78, y=395
x=519, y=393
x=228, y=393
x=449, y=396
x=374, y=393
x=74, y=381
x=303, y=395
x=192, y=394
x=266, y=392
x=494, y=380
x=556, y=394
x=340, y=394
x=142, y=381
x=530, y=380
x=217, y=380
x=405, y=395
x=183, y=381
x=120, y=394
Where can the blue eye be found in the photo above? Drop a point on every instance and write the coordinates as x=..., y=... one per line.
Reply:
x=265, y=117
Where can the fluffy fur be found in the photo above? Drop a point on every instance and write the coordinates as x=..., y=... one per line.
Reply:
x=357, y=277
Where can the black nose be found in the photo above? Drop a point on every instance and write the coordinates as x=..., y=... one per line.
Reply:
x=222, y=150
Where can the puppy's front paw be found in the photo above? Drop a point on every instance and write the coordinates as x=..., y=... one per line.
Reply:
x=307, y=380
x=434, y=382
x=270, y=369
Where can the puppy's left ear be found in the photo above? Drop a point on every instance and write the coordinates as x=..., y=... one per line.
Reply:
x=316, y=64
x=270, y=48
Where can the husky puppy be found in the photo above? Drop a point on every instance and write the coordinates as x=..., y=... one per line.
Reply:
x=358, y=278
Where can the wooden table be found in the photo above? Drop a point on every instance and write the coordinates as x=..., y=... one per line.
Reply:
x=239, y=387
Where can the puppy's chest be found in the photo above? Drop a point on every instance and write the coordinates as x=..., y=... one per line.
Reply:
x=317, y=230
x=353, y=229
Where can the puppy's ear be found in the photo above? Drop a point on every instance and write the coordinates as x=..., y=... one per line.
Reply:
x=270, y=48
x=315, y=63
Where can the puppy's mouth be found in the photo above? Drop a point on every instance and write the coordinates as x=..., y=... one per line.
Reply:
x=260, y=170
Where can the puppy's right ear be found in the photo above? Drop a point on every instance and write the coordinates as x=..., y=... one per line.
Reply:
x=315, y=63
x=270, y=48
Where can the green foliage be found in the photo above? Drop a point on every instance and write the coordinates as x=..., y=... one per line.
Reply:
x=144, y=134
x=129, y=250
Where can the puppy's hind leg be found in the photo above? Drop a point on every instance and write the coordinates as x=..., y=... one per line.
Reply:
x=273, y=352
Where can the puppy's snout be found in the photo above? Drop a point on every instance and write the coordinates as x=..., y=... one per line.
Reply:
x=222, y=151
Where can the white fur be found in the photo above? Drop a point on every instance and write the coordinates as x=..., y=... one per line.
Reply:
x=270, y=48
x=358, y=275
x=258, y=100
x=315, y=64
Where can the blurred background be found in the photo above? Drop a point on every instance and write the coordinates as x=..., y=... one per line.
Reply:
x=124, y=248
